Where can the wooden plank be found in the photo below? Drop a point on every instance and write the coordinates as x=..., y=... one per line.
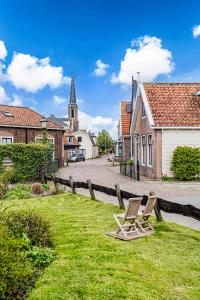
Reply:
x=72, y=184
x=119, y=196
x=92, y=195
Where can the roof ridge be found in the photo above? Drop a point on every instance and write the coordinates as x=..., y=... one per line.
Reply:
x=14, y=106
x=172, y=83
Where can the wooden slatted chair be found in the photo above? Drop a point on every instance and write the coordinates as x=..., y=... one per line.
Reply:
x=144, y=224
x=128, y=224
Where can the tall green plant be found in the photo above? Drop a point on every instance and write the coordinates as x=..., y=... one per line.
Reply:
x=185, y=163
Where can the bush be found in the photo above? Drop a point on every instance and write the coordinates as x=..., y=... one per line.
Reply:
x=37, y=188
x=46, y=186
x=28, y=223
x=27, y=159
x=41, y=257
x=3, y=190
x=16, y=271
x=130, y=162
x=19, y=192
x=185, y=163
x=6, y=176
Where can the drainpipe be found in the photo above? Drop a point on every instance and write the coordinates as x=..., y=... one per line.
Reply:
x=26, y=135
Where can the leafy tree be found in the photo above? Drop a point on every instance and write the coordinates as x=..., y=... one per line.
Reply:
x=105, y=141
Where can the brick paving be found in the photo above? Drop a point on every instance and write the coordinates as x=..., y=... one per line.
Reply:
x=100, y=171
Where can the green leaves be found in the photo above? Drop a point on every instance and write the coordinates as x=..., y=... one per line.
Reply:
x=27, y=159
x=186, y=163
x=105, y=141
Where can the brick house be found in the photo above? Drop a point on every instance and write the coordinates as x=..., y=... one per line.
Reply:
x=23, y=125
x=165, y=115
x=123, y=142
x=71, y=144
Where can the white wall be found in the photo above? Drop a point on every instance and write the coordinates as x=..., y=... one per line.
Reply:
x=171, y=138
x=85, y=144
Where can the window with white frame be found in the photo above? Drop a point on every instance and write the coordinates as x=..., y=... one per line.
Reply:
x=70, y=139
x=6, y=140
x=82, y=151
x=143, y=149
x=149, y=149
x=143, y=110
x=71, y=152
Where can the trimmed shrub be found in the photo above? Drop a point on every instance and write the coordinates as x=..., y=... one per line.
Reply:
x=30, y=224
x=37, y=188
x=27, y=159
x=185, y=163
x=6, y=176
x=3, y=190
x=19, y=192
x=17, y=274
x=130, y=162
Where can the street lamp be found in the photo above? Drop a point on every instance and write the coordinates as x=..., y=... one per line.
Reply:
x=43, y=123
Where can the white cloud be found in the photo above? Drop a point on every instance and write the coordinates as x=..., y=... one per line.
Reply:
x=196, y=31
x=3, y=96
x=3, y=51
x=101, y=69
x=17, y=101
x=146, y=56
x=95, y=124
x=59, y=100
x=32, y=74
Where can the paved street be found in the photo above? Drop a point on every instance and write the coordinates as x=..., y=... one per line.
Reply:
x=102, y=172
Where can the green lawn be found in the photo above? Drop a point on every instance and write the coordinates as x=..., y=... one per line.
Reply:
x=91, y=265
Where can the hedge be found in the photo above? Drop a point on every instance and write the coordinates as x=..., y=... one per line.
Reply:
x=27, y=159
x=185, y=163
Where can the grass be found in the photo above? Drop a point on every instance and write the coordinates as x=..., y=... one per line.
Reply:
x=91, y=265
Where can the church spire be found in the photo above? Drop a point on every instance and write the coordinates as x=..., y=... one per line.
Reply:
x=72, y=99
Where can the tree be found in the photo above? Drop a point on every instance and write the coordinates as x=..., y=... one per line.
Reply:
x=105, y=141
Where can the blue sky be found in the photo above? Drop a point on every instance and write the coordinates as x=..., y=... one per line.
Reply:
x=44, y=42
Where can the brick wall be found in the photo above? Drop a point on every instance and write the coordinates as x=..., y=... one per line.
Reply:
x=126, y=147
x=28, y=135
x=142, y=127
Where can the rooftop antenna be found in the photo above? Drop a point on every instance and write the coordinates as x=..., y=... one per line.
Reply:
x=138, y=76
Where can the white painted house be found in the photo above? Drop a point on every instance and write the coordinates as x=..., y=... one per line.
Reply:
x=165, y=115
x=88, y=144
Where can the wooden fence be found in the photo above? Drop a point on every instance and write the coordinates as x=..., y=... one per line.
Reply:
x=164, y=205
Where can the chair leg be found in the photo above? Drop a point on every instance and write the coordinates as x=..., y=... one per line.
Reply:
x=120, y=227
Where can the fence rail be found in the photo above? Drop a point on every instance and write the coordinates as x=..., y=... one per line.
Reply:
x=164, y=205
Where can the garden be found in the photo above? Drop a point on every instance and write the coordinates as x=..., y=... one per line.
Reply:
x=53, y=244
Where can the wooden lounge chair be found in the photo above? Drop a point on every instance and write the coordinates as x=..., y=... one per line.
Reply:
x=144, y=224
x=127, y=228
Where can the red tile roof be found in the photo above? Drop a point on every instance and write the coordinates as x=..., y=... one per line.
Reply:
x=70, y=133
x=174, y=104
x=23, y=117
x=125, y=118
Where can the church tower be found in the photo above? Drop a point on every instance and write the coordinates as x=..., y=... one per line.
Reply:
x=73, y=108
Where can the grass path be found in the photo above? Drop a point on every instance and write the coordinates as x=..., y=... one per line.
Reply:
x=91, y=265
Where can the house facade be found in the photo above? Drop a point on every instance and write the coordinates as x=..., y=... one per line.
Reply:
x=71, y=144
x=23, y=125
x=88, y=143
x=165, y=115
x=124, y=138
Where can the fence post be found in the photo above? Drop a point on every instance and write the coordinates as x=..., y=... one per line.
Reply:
x=138, y=170
x=55, y=183
x=72, y=184
x=92, y=195
x=157, y=209
x=119, y=196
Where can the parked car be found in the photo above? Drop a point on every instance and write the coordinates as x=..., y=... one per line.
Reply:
x=76, y=157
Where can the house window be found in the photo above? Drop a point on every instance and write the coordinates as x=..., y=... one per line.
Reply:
x=82, y=151
x=79, y=139
x=149, y=150
x=70, y=139
x=143, y=110
x=71, y=152
x=143, y=149
x=6, y=140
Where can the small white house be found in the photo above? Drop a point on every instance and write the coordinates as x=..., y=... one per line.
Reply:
x=88, y=144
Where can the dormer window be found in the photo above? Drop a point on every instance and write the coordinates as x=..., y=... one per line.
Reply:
x=7, y=114
x=143, y=110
